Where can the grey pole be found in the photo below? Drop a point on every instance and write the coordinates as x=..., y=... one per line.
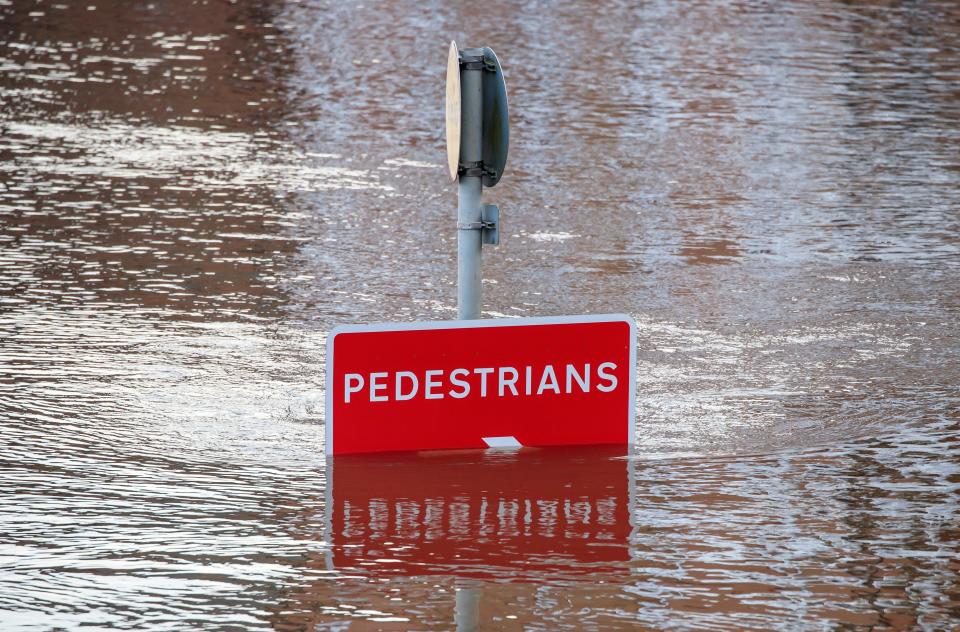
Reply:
x=469, y=209
x=467, y=613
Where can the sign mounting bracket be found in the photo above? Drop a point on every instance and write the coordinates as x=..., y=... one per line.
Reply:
x=474, y=169
x=489, y=224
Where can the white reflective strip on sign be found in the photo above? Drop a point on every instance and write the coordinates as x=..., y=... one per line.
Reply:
x=502, y=442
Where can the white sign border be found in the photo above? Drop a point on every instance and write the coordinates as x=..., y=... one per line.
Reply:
x=474, y=324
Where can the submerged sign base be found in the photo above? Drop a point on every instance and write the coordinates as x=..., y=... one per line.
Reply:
x=566, y=380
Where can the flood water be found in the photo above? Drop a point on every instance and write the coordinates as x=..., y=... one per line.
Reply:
x=192, y=194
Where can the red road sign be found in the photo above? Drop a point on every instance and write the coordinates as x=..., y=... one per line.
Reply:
x=566, y=380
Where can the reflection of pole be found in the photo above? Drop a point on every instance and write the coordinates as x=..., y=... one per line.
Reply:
x=469, y=210
x=467, y=615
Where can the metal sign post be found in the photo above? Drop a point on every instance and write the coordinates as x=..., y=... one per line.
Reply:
x=477, y=144
x=469, y=239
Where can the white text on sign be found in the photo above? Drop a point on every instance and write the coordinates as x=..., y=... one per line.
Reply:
x=488, y=381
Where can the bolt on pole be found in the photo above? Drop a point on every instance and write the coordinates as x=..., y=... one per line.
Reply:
x=470, y=209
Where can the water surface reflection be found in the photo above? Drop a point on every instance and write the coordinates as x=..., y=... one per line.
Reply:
x=480, y=514
x=193, y=194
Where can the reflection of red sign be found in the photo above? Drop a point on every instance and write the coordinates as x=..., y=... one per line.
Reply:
x=475, y=512
x=474, y=384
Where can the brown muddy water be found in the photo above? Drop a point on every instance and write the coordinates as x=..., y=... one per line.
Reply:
x=192, y=194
